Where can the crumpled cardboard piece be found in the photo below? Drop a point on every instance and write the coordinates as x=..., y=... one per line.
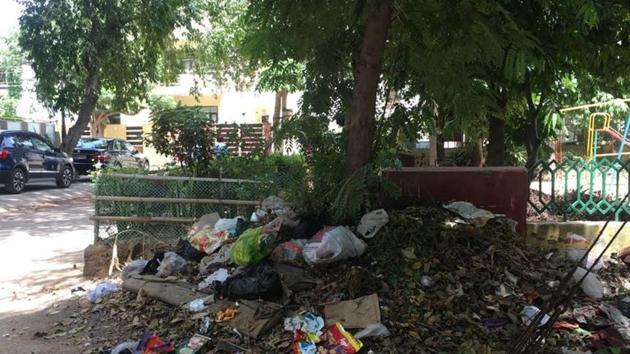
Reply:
x=358, y=313
x=256, y=317
x=174, y=293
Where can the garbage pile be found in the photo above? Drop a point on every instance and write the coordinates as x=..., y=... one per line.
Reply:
x=423, y=279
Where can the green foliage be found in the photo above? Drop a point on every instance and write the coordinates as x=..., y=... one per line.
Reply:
x=7, y=107
x=120, y=42
x=158, y=103
x=185, y=134
x=11, y=60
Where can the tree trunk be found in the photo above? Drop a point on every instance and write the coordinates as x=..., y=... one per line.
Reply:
x=476, y=159
x=532, y=142
x=85, y=112
x=440, y=121
x=496, y=142
x=361, y=123
x=63, y=125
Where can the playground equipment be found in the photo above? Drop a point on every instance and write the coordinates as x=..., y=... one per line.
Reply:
x=594, y=134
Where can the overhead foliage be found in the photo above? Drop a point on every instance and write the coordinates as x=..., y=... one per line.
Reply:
x=79, y=48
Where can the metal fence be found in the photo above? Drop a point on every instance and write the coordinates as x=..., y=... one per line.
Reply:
x=164, y=207
x=577, y=188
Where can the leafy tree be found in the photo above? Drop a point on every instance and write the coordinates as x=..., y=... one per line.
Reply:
x=11, y=60
x=78, y=49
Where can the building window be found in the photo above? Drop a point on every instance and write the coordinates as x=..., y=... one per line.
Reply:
x=212, y=112
x=114, y=119
x=188, y=66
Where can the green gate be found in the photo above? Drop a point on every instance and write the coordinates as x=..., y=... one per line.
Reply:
x=592, y=189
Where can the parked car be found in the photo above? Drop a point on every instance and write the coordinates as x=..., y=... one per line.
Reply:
x=27, y=157
x=91, y=152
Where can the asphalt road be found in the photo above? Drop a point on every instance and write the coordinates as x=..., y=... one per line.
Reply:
x=43, y=233
x=42, y=194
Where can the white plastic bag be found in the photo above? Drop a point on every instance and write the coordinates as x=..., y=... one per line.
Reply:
x=134, y=267
x=103, y=289
x=337, y=244
x=220, y=276
x=120, y=348
x=593, y=254
x=591, y=285
x=171, y=264
x=372, y=222
x=476, y=216
x=373, y=330
x=228, y=225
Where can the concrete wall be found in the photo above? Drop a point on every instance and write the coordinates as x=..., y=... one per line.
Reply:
x=549, y=234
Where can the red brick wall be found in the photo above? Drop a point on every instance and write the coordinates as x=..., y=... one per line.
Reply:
x=502, y=190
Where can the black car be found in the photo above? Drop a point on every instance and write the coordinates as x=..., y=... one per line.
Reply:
x=91, y=152
x=26, y=157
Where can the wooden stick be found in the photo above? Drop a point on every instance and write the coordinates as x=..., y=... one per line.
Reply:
x=147, y=219
x=176, y=178
x=174, y=200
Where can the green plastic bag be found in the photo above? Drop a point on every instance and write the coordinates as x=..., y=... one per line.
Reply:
x=251, y=247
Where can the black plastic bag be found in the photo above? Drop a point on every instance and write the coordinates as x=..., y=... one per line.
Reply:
x=153, y=265
x=260, y=281
x=241, y=226
x=188, y=251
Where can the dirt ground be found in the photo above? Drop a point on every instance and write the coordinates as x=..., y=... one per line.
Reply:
x=41, y=260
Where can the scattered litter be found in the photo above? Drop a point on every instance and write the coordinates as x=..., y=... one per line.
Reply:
x=251, y=247
x=529, y=313
x=337, y=244
x=357, y=313
x=135, y=267
x=126, y=347
x=196, y=344
x=220, y=257
x=372, y=222
x=256, y=318
x=196, y=305
x=373, y=330
x=591, y=285
x=103, y=289
x=206, y=324
x=257, y=282
x=289, y=252
x=476, y=216
x=336, y=338
x=172, y=264
x=426, y=281
x=226, y=314
x=218, y=276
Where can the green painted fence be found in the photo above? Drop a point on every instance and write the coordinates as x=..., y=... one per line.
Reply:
x=577, y=188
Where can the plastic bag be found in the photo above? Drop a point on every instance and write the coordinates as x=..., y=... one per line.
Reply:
x=373, y=330
x=208, y=241
x=222, y=256
x=372, y=222
x=228, y=225
x=251, y=247
x=125, y=348
x=219, y=276
x=278, y=206
x=476, y=216
x=258, y=282
x=593, y=254
x=289, y=252
x=135, y=267
x=101, y=290
x=591, y=285
x=338, y=244
x=172, y=263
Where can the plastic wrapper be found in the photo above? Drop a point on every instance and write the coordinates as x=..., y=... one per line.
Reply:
x=208, y=241
x=337, y=244
x=171, y=264
x=103, y=289
x=303, y=344
x=252, y=247
x=336, y=338
x=529, y=313
x=372, y=222
x=228, y=225
x=135, y=267
x=591, y=285
x=476, y=216
x=373, y=330
x=289, y=252
x=219, y=276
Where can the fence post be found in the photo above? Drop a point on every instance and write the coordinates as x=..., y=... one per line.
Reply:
x=221, y=208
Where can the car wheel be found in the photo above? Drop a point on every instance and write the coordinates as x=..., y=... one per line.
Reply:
x=145, y=165
x=66, y=177
x=17, y=180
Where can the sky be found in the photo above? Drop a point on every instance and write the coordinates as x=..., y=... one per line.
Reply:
x=9, y=14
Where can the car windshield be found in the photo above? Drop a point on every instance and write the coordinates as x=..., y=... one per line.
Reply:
x=92, y=144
